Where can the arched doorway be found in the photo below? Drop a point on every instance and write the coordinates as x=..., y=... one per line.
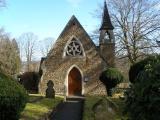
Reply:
x=74, y=82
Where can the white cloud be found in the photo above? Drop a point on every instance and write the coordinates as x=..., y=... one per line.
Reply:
x=74, y=3
x=158, y=6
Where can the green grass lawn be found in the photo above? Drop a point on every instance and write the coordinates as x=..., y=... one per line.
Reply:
x=38, y=106
x=88, y=113
x=102, y=111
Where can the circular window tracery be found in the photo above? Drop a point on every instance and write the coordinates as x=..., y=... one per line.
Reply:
x=74, y=48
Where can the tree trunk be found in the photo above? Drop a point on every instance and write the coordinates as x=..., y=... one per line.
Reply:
x=109, y=91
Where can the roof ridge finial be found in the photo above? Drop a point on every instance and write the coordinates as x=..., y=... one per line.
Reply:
x=105, y=2
x=105, y=6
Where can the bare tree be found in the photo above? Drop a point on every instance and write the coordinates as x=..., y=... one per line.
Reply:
x=158, y=42
x=16, y=63
x=28, y=41
x=137, y=27
x=9, y=54
x=46, y=45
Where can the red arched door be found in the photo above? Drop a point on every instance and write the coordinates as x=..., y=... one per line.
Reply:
x=74, y=82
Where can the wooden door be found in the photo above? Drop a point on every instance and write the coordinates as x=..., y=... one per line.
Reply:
x=74, y=82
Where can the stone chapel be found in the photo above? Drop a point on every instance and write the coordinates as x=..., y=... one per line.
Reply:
x=74, y=63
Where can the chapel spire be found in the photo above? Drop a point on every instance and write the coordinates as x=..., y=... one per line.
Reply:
x=106, y=38
x=106, y=22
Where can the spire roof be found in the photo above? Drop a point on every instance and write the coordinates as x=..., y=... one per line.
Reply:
x=106, y=22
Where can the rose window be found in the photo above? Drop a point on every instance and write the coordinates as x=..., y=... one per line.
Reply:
x=74, y=49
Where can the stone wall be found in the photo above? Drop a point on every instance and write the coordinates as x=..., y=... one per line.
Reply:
x=56, y=65
x=107, y=51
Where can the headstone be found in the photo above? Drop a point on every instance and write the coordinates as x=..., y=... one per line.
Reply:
x=50, y=92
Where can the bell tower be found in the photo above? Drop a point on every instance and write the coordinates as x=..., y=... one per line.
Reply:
x=106, y=39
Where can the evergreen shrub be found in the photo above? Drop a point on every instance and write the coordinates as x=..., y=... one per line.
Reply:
x=136, y=68
x=13, y=98
x=110, y=78
x=30, y=81
x=143, y=98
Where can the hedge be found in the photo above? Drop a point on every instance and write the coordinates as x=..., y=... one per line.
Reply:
x=13, y=98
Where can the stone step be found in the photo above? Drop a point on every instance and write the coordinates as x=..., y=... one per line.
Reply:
x=75, y=98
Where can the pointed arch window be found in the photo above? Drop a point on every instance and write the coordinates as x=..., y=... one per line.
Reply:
x=74, y=48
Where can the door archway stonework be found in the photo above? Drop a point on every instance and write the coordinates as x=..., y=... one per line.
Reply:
x=74, y=82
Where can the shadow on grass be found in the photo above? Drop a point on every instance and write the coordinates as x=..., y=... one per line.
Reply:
x=39, y=107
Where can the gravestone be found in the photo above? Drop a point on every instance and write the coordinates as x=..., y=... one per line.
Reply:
x=50, y=92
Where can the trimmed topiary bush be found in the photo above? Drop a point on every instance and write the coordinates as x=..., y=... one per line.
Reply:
x=136, y=68
x=143, y=98
x=13, y=98
x=110, y=78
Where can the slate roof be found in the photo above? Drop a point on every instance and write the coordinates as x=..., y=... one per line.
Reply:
x=106, y=22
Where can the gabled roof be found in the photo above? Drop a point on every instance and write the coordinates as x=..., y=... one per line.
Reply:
x=106, y=22
x=73, y=20
x=71, y=23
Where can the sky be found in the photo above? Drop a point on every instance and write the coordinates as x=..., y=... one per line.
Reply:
x=46, y=18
